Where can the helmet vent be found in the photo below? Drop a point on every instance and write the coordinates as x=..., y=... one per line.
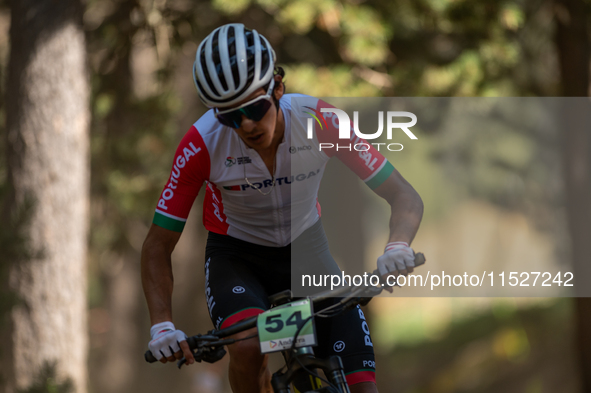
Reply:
x=233, y=58
x=264, y=57
x=207, y=78
x=217, y=60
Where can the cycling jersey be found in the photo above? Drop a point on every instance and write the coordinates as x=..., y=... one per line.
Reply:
x=213, y=153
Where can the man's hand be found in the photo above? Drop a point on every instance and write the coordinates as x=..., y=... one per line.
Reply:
x=398, y=258
x=169, y=344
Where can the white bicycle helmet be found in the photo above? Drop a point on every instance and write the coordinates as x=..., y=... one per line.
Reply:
x=231, y=63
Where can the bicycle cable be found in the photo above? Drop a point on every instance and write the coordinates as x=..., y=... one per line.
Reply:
x=235, y=340
x=332, y=387
x=328, y=312
x=331, y=311
x=327, y=309
x=246, y=338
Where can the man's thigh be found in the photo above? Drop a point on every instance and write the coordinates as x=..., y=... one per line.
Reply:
x=347, y=335
x=240, y=277
x=232, y=292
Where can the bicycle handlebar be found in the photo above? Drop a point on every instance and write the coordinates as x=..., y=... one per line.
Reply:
x=214, y=341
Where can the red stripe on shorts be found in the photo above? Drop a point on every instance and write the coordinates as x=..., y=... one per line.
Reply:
x=361, y=376
x=240, y=315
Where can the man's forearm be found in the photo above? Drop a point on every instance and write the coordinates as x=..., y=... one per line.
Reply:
x=157, y=282
x=407, y=212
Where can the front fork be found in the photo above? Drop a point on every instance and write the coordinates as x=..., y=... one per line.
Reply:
x=332, y=367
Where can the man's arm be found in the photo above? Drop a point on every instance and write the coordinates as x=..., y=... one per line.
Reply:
x=406, y=207
x=157, y=281
x=406, y=214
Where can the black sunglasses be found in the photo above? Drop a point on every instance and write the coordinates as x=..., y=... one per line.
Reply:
x=254, y=109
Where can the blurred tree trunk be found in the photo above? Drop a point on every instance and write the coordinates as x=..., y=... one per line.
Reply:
x=572, y=39
x=115, y=365
x=47, y=149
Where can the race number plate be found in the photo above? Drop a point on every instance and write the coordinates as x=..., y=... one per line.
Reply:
x=278, y=326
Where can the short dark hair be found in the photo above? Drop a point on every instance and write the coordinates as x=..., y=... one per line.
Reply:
x=278, y=71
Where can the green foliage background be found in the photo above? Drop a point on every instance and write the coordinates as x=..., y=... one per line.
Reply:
x=329, y=48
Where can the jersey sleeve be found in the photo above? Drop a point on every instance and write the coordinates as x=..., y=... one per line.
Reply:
x=190, y=169
x=361, y=157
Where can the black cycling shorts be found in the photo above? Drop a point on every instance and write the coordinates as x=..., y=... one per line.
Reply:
x=240, y=276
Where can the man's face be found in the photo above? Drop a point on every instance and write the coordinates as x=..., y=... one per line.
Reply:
x=258, y=134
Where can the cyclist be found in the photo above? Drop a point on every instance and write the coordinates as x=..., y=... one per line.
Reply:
x=261, y=213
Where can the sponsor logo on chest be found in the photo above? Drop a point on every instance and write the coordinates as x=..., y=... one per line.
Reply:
x=297, y=149
x=231, y=161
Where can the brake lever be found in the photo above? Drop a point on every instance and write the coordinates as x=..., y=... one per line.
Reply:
x=213, y=355
x=197, y=355
x=361, y=296
x=207, y=354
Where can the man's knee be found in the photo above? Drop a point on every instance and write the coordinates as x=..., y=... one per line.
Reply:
x=247, y=352
x=364, y=387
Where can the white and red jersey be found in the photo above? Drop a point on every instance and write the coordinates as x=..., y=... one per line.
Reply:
x=213, y=153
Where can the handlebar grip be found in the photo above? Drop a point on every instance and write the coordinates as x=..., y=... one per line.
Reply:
x=149, y=357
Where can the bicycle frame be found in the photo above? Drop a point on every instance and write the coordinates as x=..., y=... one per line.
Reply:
x=304, y=359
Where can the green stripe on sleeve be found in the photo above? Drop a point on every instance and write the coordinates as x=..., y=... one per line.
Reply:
x=381, y=176
x=168, y=223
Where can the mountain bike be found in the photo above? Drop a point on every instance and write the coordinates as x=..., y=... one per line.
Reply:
x=288, y=327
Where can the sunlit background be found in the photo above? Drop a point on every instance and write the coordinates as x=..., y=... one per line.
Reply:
x=488, y=196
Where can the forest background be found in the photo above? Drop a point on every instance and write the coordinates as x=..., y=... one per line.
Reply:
x=95, y=96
